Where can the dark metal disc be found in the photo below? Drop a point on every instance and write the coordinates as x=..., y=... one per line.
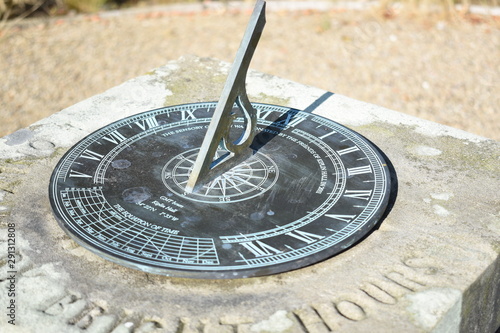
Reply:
x=311, y=189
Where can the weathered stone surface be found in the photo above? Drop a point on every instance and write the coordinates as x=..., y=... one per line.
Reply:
x=432, y=266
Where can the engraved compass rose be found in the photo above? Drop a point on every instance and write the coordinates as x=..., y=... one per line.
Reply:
x=226, y=189
x=246, y=180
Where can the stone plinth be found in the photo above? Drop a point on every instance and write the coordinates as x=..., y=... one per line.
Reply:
x=432, y=266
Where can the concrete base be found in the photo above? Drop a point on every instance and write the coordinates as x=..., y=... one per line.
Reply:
x=432, y=266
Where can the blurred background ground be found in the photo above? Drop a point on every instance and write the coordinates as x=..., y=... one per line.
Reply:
x=445, y=69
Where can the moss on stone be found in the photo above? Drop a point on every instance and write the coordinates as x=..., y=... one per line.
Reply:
x=460, y=154
x=203, y=81
x=196, y=83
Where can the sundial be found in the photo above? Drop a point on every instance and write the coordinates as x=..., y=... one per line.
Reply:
x=226, y=189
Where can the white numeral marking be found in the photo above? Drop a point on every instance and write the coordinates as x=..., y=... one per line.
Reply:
x=295, y=121
x=147, y=123
x=292, y=120
x=358, y=194
x=304, y=236
x=327, y=134
x=187, y=114
x=77, y=174
x=343, y=218
x=260, y=249
x=347, y=150
x=91, y=155
x=359, y=170
x=261, y=114
x=114, y=137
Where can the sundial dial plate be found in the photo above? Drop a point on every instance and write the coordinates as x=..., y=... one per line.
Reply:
x=311, y=189
x=221, y=190
x=384, y=284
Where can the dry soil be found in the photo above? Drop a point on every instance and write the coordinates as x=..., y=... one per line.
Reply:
x=442, y=70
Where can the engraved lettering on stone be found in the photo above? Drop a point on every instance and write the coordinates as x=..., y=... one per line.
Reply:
x=378, y=294
x=311, y=320
x=404, y=281
x=329, y=314
x=351, y=310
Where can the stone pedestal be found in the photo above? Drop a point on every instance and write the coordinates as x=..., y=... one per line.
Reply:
x=432, y=266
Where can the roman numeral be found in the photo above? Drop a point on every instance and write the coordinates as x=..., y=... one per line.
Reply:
x=187, y=114
x=304, y=236
x=263, y=115
x=327, y=134
x=347, y=150
x=292, y=120
x=77, y=174
x=359, y=170
x=260, y=249
x=147, y=123
x=295, y=121
x=91, y=155
x=343, y=218
x=358, y=194
x=114, y=137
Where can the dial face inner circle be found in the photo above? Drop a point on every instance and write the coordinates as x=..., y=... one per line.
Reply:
x=247, y=180
x=311, y=189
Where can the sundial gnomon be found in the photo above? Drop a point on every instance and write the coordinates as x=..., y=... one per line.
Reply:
x=225, y=189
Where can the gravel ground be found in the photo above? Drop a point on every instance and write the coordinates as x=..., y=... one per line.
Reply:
x=445, y=71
